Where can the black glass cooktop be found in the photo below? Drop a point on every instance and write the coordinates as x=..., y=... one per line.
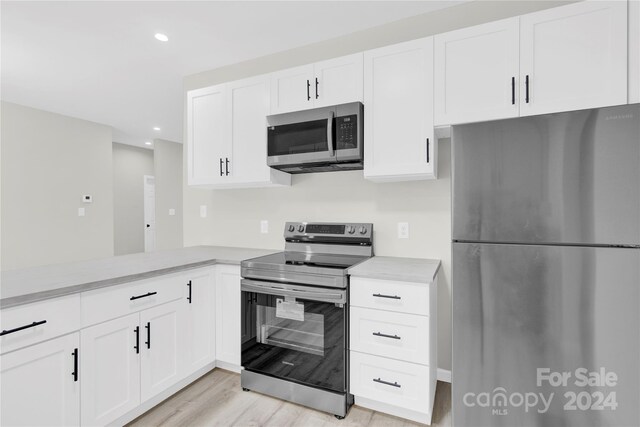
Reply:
x=318, y=260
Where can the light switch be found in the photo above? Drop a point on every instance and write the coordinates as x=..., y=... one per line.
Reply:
x=172, y=212
x=264, y=226
x=87, y=198
x=203, y=211
x=403, y=230
x=80, y=211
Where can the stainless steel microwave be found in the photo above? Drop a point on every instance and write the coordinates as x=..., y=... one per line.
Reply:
x=318, y=140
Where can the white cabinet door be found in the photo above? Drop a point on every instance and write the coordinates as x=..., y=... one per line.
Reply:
x=476, y=73
x=573, y=57
x=38, y=385
x=247, y=109
x=228, y=315
x=398, y=120
x=338, y=81
x=162, y=348
x=291, y=89
x=110, y=366
x=200, y=320
x=207, y=135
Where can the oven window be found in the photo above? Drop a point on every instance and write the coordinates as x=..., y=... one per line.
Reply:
x=302, y=342
x=297, y=138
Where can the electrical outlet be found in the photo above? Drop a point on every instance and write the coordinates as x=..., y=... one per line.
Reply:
x=203, y=211
x=403, y=230
x=264, y=226
x=81, y=212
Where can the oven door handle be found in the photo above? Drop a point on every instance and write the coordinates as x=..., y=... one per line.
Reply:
x=330, y=134
x=290, y=291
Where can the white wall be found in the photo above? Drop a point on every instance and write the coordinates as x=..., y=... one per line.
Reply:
x=346, y=196
x=48, y=162
x=167, y=160
x=130, y=165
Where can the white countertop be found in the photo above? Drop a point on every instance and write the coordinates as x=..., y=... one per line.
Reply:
x=38, y=283
x=420, y=270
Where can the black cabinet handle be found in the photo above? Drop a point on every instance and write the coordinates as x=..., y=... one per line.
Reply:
x=148, y=341
x=308, y=94
x=75, y=365
x=317, y=88
x=513, y=91
x=393, y=384
x=20, y=328
x=189, y=297
x=142, y=296
x=226, y=165
x=221, y=173
x=387, y=296
x=526, y=92
x=137, y=346
x=380, y=334
x=427, y=150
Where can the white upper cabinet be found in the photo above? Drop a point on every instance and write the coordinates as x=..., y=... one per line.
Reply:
x=573, y=57
x=247, y=109
x=338, y=81
x=476, y=73
x=331, y=82
x=208, y=142
x=398, y=119
x=291, y=89
x=227, y=136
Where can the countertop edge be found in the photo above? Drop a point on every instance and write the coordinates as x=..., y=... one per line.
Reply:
x=400, y=276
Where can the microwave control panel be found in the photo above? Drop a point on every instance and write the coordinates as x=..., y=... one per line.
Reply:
x=347, y=132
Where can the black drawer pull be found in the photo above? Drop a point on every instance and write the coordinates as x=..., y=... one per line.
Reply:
x=33, y=325
x=137, y=346
x=393, y=384
x=143, y=296
x=75, y=365
x=148, y=341
x=387, y=296
x=427, y=150
x=380, y=334
x=513, y=91
x=526, y=85
x=189, y=297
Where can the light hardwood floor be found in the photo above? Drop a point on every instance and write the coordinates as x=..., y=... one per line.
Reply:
x=217, y=399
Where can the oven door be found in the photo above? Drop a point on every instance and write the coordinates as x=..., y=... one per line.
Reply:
x=296, y=333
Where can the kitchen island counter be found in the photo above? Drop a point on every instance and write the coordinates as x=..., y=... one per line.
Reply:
x=29, y=285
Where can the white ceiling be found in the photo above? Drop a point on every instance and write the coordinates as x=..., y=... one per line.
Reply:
x=99, y=61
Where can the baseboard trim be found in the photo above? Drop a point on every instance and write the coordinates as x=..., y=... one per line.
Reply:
x=444, y=375
x=228, y=366
x=144, y=407
x=408, y=414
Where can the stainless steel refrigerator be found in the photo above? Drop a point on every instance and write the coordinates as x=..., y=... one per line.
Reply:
x=546, y=270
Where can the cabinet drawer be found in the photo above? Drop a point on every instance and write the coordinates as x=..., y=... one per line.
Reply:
x=404, y=297
x=385, y=333
x=108, y=303
x=59, y=316
x=401, y=384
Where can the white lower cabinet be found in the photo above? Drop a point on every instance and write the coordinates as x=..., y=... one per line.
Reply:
x=393, y=346
x=162, y=336
x=228, y=317
x=200, y=329
x=40, y=384
x=110, y=366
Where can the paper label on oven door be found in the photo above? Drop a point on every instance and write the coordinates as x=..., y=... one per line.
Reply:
x=289, y=309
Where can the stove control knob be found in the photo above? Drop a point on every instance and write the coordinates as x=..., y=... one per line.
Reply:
x=351, y=229
x=291, y=228
x=363, y=230
x=301, y=228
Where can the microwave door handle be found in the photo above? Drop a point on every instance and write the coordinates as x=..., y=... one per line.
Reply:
x=330, y=134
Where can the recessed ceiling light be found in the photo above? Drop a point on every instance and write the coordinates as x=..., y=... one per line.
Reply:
x=162, y=37
x=147, y=143
x=156, y=128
